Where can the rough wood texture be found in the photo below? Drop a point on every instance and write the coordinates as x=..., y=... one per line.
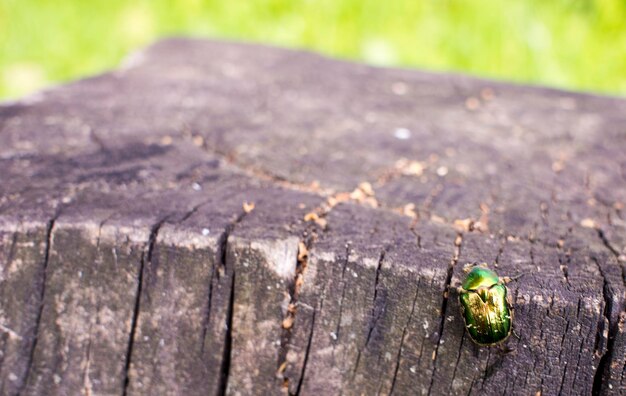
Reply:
x=129, y=263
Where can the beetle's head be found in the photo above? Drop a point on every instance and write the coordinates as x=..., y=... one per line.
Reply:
x=480, y=277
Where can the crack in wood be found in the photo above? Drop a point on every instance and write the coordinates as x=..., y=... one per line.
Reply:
x=376, y=311
x=343, y=294
x=228, y=340
x=193, y=210
x=146, y=257
x=607, y=243
x=418, y=237
x=87, y=386
x=42, y=294
x=564, y=375
x=304, y=246
x=314, y=188
x=458, y=242
x=458, y=359
x=220, y=259
x=402, y=339
x=582, y=344
x=261, y=174
x=307, y=352
x=310, y=342
x=608, y=344
x=374, y=315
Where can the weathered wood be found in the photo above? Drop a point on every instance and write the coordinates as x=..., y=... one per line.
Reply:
x=230, y=218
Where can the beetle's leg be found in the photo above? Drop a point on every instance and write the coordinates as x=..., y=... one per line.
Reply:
x=505, y=349
x=515, y=334
x=507, y=279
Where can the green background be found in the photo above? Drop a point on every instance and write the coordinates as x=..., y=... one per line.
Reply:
x=575, y=44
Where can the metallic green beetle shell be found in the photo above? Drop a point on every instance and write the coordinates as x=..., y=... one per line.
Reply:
x=486, y=311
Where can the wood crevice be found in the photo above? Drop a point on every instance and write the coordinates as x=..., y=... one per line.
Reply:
x=146, y=258
x=293, y=290
x=607, y=344
x=228, y=340
x=458, y=242
x=41, y=297
x=377, y=310
x=402, y=339
x=336, y=334
x=307, y=353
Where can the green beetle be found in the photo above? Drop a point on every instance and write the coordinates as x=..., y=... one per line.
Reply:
x=485, y=306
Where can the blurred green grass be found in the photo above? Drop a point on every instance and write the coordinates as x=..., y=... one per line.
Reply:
x=574, y=44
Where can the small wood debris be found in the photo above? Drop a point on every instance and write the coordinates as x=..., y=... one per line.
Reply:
x=364, y=194
x=12, y=334
x=312, y=216
x=303, y=252
x=322, y=222
x=288, y=322
x=248, y=207
x=299, y=282
x=198, y=140
x=358, y=195
x=366, y=187
x=338, y=198
x=281, y=369
x=410, y=168
x=482, y=224
x=409, y=210
x=558, y=166
x=472, y=103
x=437, y=219
x=588, y=223
x=466, y=225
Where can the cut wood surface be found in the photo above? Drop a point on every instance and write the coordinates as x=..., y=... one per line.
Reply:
x=219, y=218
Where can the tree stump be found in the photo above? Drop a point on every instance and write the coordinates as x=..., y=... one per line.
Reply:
x=220, y=218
